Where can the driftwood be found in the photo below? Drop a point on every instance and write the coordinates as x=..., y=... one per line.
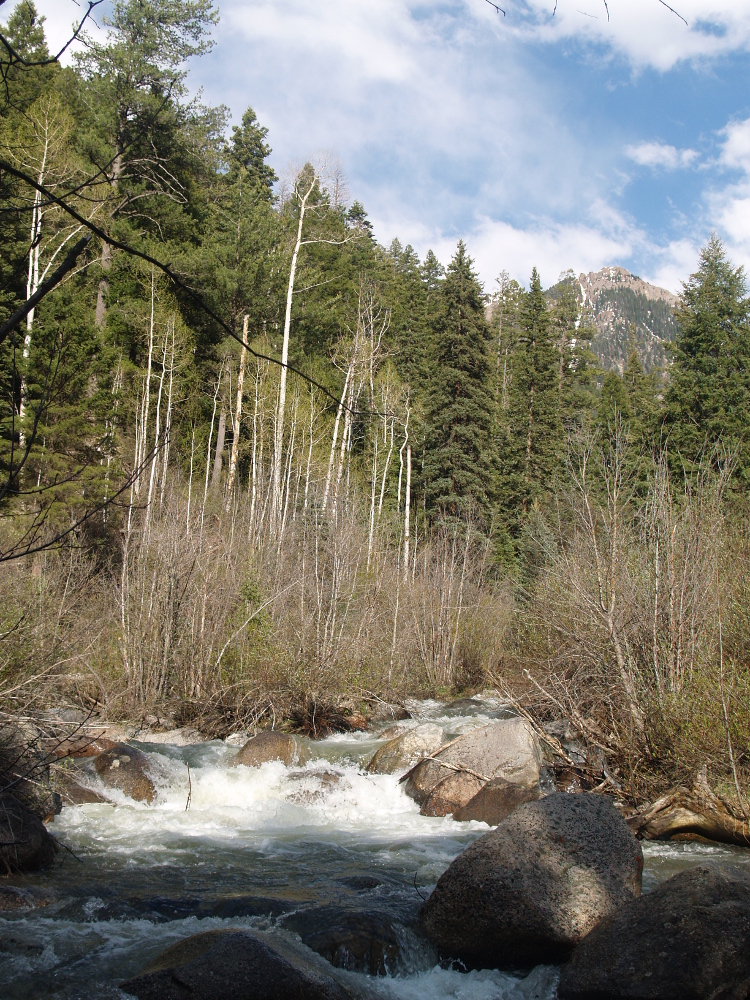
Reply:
x=686, y=813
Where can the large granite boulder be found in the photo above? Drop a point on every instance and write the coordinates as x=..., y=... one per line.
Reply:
x=451, y=794
x=404, y=750
x=68, y=782
x=24, y=767
x=689, y=939
x=237, y=965
x=270, y=745
x=494, y=801
x=25, y=845
x=507, y=749
x=530, y=890
x=126, y=768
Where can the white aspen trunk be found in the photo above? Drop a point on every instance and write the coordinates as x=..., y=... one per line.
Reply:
x=208, y=458
x=385, y=471
x=190, y=482
x=167, y=424
x=218, y=456
x=336, y=424
x=155, y=452
x=401, y=458
x=237, y=417
x=407, y=512
x=146, y=394
x=285, y=490
x=372, y=503
x=279, y=437
x=254, y=471
x=309, y=452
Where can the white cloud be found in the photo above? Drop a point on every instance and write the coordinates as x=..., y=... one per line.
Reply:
x=645, y=32
x=735, y=151
x=659, y=154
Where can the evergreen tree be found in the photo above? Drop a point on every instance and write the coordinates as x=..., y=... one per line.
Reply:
x=709, y=392
x=457, y=471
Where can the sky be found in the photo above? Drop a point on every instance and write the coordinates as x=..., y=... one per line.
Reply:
x=577, y=137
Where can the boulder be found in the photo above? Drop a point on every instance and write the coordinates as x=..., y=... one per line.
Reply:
x=495, y=801
x=362, y=941
x=507, y=749
x=80, y=745
x=450, y=794
x=184, y=737
x=24, y=768
x=530, y=890
x=689, y=939
x=126, y=768
x=72, y=792
x=270, y=745
x=237, y=965
x=25, y=845
x=402, y=752
x=383, y=711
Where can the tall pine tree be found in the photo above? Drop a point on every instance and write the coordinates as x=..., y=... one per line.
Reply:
x=457, y=470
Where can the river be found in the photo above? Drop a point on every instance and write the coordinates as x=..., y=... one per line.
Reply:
x=257, y=848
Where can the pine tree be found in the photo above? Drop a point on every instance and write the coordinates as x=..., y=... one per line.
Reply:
x=457, y=472
x=530, y=450
x=709, y=392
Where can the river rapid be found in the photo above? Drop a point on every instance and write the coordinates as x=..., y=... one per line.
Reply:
x=257, y=848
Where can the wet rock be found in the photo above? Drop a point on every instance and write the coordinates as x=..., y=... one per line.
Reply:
x=31, y=898
x=360, y=941
x=237, y=965
x=270, y=745
x=72, y=792
x=81, y=745
x=689, y=939
x=126, y=768
x=402, y=752
x=184, y=737
x=383, y=711
x=530, y=890
x=320, y=784
x=507, y=749
x=495, y=801
x=24, y=768
x=25, y=844
x=455, y=790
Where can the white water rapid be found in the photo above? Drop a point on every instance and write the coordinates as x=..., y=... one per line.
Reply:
x=256, y=848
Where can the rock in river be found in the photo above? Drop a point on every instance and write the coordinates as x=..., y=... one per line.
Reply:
x=270, y=745
x=25, y=845
x=507, y=749
x=359, y=940
x=494, y=801
x=402, y=752
x=237, y=965
x=126, y=768
x=530, y=890
x=451, y=794
x=689, y=939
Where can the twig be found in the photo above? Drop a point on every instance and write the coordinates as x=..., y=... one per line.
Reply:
x=190, y=788
x=423, y=898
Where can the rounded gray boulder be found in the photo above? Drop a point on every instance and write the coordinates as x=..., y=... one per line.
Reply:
x=530, y=890
x=404, y=750
x=689, y=939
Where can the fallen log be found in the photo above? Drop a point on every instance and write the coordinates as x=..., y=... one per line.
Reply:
x=687, y=813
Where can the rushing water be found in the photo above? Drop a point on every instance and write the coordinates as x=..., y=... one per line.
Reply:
x=256, y=848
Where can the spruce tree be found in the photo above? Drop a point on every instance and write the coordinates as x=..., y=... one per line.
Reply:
x=709, y=392
x=457, y=471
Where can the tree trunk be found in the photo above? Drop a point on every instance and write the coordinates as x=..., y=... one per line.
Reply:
x=218, y=460
x=237, y=416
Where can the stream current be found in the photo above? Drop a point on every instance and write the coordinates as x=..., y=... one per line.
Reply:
x=258, y=848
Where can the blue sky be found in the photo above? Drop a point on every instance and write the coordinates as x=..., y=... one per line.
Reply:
x=556, y=141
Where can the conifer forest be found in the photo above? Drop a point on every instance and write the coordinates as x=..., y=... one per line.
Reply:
x=257, y=468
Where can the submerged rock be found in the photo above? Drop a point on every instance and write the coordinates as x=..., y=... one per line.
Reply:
x=402, y=752
x=530, y=890
x=507, y=749
x=126, y=768
x=30, y=898
x=237, y=965
x=25, y=844
x=270, y=745
x=359, y=940
x=689, y=939
x=495, y=801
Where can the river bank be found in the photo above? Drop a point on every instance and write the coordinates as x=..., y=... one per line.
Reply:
x=276, y=847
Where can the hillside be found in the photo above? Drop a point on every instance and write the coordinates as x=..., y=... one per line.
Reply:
x=620, y=305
